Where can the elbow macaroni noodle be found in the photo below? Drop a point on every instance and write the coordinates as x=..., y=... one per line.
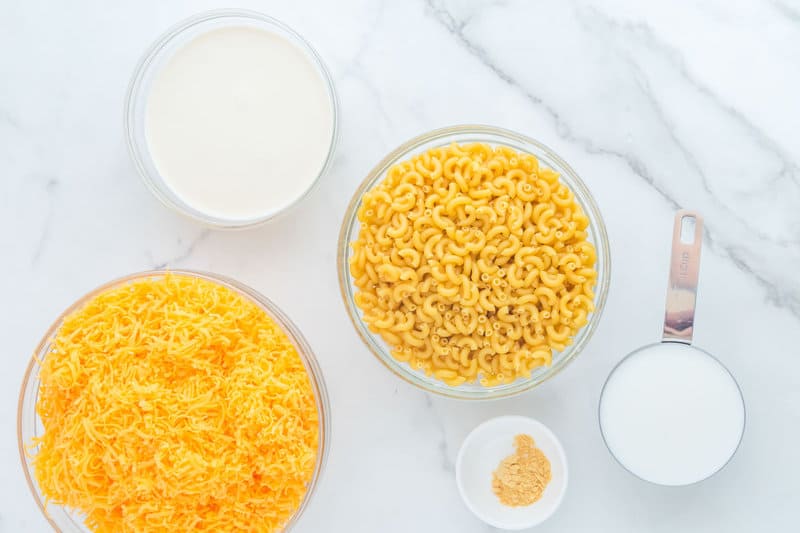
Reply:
x=472, y=262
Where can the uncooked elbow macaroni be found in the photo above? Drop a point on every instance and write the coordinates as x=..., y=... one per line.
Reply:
x=472, y=262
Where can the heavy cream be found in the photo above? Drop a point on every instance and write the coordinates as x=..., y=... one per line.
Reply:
x=239, y=123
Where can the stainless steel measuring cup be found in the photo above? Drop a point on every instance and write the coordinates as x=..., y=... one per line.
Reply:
x=671, y=413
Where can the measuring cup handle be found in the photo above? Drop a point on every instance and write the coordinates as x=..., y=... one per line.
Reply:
x=683, y=273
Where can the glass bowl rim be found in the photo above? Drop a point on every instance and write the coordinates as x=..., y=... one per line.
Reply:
x=496, y=136
x=296, y=337
x=155, y=183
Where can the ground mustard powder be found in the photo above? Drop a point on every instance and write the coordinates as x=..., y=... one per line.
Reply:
x=521, y=478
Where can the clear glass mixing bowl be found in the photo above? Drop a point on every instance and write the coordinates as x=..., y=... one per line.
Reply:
x=152, y=62
x=493, y=136
x=29, y=425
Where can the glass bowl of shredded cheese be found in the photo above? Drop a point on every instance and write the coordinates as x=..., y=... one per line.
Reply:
x=474, y=262
x=173, y=400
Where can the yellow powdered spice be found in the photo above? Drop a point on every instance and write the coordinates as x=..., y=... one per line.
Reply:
x=521, y=478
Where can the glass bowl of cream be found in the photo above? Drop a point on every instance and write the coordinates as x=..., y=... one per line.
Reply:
x=352, y=289
x=231, y=118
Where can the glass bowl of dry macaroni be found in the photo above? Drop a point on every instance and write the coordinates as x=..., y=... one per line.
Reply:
x=474, y=262
x=173, y=400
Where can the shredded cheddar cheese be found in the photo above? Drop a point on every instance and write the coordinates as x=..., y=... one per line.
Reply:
x=175, y=404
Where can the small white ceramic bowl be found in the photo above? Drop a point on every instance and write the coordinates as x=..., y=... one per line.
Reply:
x=481, y=453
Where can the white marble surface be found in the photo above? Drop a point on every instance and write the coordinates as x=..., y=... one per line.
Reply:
x=656, y=105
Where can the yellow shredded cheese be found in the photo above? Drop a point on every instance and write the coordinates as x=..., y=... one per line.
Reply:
x=175, y=404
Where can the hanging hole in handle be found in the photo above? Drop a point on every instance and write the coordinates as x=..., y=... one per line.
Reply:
x=688, y=227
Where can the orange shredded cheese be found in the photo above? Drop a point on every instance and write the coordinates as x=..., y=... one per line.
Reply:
x=175, y=404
